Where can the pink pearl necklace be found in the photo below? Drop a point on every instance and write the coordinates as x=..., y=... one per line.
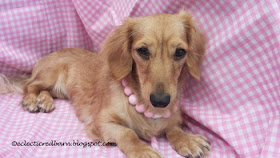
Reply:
x=132, y=99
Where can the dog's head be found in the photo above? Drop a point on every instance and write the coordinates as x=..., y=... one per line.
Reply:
x=155, y=49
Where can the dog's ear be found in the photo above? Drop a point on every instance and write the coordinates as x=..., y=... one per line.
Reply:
x=196, y=43
x=117, y=49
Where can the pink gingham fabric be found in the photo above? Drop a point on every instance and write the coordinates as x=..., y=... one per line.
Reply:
x=235, y=105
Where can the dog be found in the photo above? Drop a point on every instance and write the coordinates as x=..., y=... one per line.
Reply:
x=131, y=89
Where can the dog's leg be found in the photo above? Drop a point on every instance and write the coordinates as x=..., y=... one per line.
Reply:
x=43, y=85
x=187, y=145
x=128, y=141
x=36, y=99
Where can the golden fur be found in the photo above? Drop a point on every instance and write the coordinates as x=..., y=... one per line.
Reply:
x=93, y=83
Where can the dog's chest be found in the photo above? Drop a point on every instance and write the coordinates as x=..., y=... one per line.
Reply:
x=147, y=128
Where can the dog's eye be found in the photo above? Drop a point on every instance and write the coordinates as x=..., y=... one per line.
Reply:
x=179, y=54
x=143, y=52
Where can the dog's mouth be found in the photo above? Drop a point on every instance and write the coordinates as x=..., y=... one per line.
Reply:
x=156, y=112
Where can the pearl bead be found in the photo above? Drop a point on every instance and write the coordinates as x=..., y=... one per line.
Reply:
x=149, y=114
x=132, y=99
x=124, y=83
x=140, y=108
x=167, y=114
x=127, y=91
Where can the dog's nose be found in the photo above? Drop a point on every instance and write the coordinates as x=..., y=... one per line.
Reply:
x=160, y=100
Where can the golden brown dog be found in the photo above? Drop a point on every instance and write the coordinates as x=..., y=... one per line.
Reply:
x=153, y=54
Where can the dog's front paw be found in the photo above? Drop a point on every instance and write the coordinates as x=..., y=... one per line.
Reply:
x=29, y=103
x=33, y=103
x=144, y=152
x=45, y=102
x=191, y=146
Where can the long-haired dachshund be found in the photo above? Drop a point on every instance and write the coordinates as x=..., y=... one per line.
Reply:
x=131, y=90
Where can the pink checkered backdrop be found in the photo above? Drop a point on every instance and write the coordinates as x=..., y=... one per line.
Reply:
x=236, y=104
